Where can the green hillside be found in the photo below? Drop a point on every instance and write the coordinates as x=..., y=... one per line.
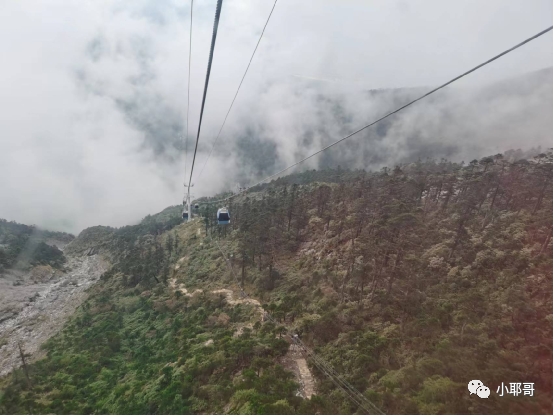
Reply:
x=410, y=282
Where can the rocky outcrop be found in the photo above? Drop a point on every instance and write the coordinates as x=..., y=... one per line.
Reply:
x=91, y=241
x=42, y=309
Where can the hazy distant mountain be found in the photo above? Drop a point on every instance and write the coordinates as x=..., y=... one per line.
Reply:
x=457, y=123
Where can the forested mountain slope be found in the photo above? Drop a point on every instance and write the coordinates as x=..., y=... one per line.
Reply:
x=411, y=282
x=22, y=246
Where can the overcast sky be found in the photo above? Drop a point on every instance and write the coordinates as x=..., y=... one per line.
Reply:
x=93, y=92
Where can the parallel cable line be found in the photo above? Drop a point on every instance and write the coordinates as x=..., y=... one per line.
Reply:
x=357, y=397
x=238, y=90
x=210, y=62
x=188, y=101
x=335, y=379
x=333, y=371
x=322, y=369
x=543, y=32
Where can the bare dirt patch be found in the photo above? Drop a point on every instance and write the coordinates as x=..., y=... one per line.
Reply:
x=180, y=287
x=295, y=362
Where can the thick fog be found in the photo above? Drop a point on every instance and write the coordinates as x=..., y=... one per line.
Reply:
x=93, y=95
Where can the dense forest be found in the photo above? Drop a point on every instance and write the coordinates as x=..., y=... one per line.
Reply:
x=24, y=246
x=415, y=280
x=410, y=282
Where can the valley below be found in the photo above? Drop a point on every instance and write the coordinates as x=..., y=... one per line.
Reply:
x=31, y=312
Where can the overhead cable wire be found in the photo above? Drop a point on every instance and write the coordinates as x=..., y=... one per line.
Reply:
x=355, y=395
x=238, y=90
x=358, y=397
x=213, y=40
x=332, y=371
x=351, y=392
x=188, y=101
x=543, y=32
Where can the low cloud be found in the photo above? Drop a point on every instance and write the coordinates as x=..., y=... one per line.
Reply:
x=93, y=95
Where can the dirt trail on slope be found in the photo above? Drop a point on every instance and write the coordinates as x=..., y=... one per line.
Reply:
x=230, y=299
x=293, y=360
x=180, y=287
x=229, y=294
x=51, y=305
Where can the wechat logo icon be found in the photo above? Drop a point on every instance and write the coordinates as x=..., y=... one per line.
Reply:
x=477, y=387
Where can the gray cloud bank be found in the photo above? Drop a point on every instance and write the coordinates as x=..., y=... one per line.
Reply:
x=93, y=95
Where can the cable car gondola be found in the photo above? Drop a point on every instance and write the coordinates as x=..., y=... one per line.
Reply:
x=185, y=215
x=196, y=206
x=223, y=216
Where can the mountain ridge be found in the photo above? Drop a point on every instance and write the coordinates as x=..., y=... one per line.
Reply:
x=410, y=282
